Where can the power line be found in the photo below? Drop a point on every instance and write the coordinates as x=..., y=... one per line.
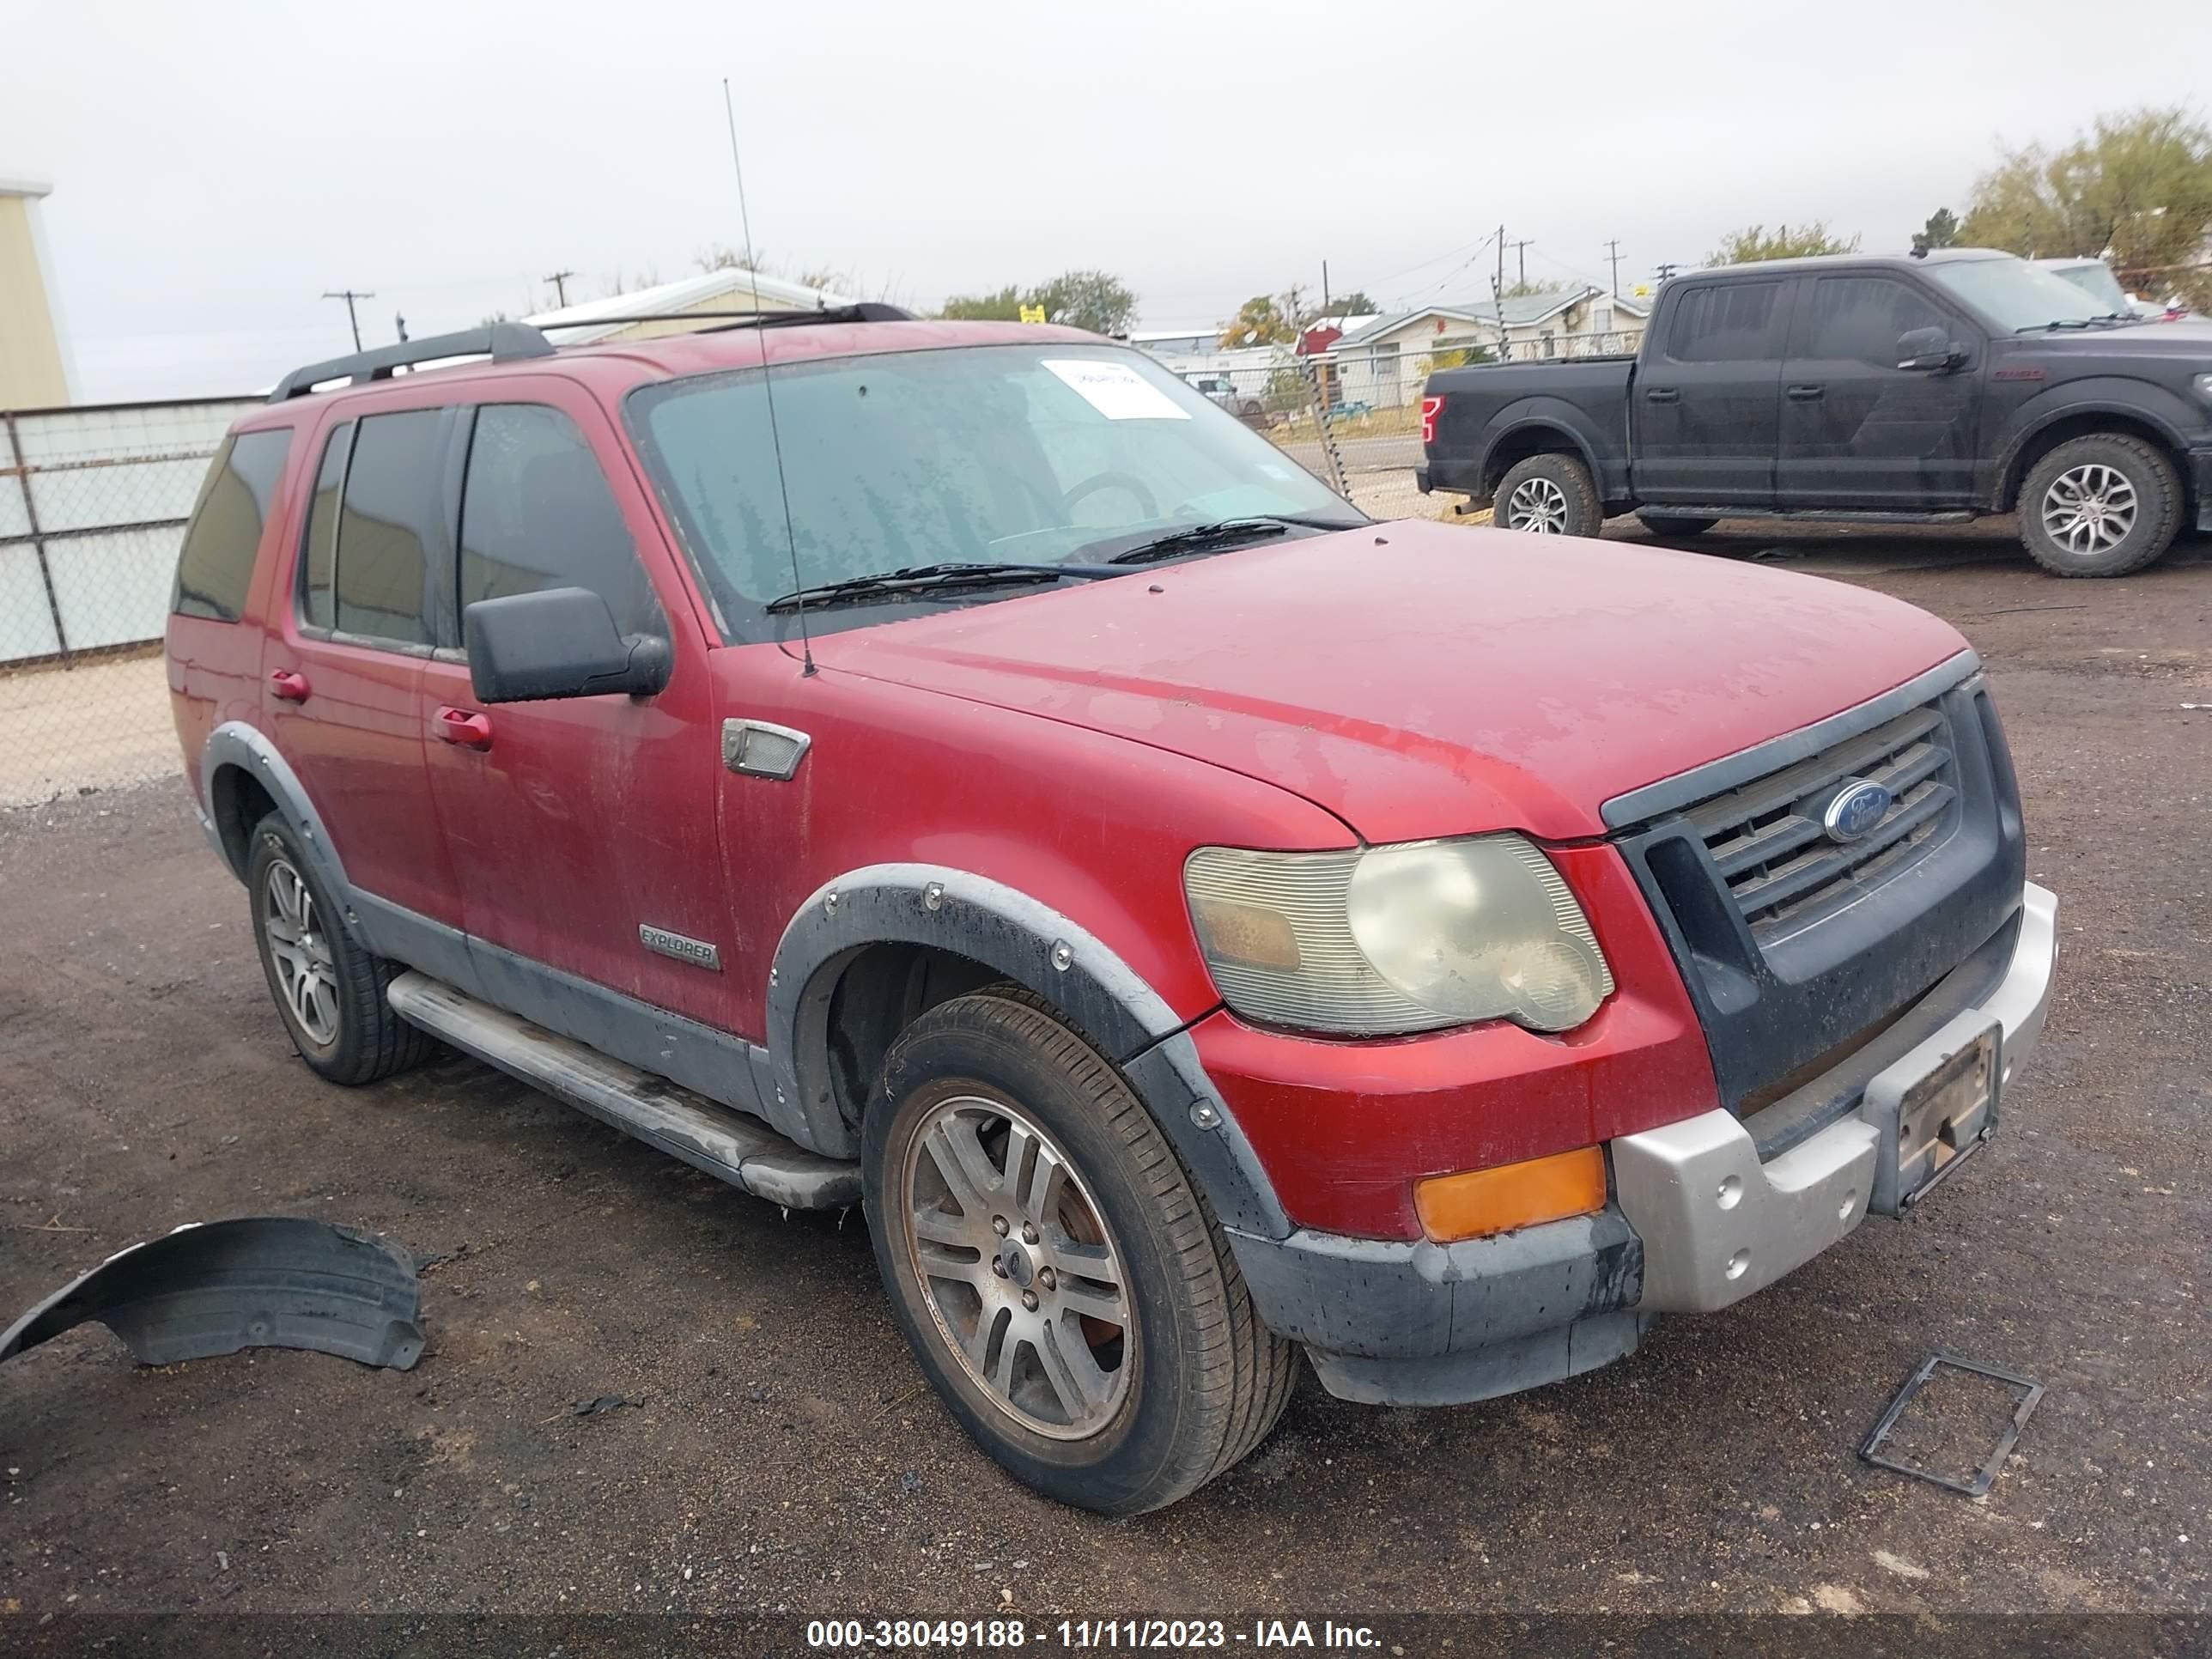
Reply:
x=349, y=295
x=560, y=281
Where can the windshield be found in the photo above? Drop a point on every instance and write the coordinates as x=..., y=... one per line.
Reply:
x=1010, y=454
x=2096, y=280
x=2013, y=294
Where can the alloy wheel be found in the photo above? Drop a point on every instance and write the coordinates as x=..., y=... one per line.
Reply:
x=2090, y=509
x=1019, y=1270
x=1538, y=505
x=306, y=973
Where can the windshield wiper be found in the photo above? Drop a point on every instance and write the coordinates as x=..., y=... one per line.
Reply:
x=925, y=578
x=2055, y=322
x=1221, y=533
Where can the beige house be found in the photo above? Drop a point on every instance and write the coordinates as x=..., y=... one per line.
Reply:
x=727, y=289
x=35, y=372
x=1384, y=363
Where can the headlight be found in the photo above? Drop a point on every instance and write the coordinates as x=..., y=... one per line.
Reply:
x=1367, y=941
x=2204, y=385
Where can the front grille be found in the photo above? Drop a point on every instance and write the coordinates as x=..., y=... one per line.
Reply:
x=1767, y=840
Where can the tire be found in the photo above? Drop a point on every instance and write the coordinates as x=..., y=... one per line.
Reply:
x=1659, y=525
x=1549, y=495
x=2076, y=497
x=348, y=1033
x=1174, y=1379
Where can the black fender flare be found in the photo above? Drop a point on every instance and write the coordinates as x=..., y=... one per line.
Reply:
x=235, y=744
x=1028, y=941
x=1554, y=414
x=2153, y=406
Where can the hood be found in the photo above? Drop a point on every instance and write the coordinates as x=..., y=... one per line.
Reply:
x=1422, y=679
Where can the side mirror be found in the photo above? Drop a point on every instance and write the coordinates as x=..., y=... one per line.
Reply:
x=1927, y=348
x=557, y=642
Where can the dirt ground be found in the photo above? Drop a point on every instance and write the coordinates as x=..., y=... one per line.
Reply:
x=782, y=1454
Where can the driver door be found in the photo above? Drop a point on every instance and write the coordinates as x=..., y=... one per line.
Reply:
x=573, y=824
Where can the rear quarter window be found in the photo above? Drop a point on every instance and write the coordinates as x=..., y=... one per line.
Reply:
x=216, y=567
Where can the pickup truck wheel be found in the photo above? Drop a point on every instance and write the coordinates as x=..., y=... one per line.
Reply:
x=330, y=990
x=1067, y=1290
x=1659, y=525
x=1548, y=495
x=2099, y=505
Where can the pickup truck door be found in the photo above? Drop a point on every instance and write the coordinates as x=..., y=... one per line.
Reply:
x=1857, y=431
x=1705, y=402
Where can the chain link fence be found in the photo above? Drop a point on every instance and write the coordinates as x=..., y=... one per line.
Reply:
x=92, y=505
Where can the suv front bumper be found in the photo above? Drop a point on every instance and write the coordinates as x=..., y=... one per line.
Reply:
x=1697, y=1221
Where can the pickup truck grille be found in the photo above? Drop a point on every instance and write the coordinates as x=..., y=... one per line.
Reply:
x=1767, y=840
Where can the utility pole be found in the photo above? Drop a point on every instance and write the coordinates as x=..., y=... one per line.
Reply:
x=1497, y=287
x=560, y=281
x=399, y=322
x=1520, y=248
x=1324, y=288
x=1665, y=271
x=1613, y=248
x=349, y=295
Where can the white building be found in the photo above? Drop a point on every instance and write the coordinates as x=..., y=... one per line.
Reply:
x=1384, y=363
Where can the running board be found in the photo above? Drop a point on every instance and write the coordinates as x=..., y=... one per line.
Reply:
x=1806, y=515
x=724, y=1144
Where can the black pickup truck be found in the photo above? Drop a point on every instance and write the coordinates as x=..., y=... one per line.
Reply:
x=1920, y=389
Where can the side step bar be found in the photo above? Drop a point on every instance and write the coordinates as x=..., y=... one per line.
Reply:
x=726, y=1145
x=1807, y=515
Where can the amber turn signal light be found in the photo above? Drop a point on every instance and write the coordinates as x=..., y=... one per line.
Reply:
x=1476, y=1203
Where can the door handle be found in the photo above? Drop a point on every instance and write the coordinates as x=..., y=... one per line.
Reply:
x=1806, y=394
x=464, y=728
x=289, y=684
x=1662, y=394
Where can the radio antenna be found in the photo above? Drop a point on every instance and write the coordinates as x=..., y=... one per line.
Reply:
x=767, y=385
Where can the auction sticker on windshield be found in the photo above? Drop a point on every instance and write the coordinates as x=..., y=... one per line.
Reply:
x=1116, y=390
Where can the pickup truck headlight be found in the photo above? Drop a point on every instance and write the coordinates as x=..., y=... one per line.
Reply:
x=1387, y=940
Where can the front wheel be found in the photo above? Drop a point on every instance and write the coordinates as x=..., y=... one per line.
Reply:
x=2101, y=506
x=1067, y=1290
x=1548, y=495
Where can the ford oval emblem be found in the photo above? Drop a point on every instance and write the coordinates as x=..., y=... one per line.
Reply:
x=1856, y=808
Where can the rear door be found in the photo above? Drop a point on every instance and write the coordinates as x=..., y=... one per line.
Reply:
x=582, y=831
x=1857, y=431
x=1703, y=409
x=342, y=671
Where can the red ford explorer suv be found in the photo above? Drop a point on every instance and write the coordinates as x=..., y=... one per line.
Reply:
x=958, y=770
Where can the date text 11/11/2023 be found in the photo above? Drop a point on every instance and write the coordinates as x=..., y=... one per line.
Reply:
x=913, y=1634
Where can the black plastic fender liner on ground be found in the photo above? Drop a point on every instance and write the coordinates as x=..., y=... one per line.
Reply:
x=256, y=1282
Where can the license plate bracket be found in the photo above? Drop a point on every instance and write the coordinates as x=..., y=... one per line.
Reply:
x=1934, y=1114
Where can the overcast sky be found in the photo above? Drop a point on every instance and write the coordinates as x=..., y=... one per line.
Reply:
x=217, y=165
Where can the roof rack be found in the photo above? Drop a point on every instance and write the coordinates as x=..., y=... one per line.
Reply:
x=864, y=310
x=502, y=342
x=505, y=343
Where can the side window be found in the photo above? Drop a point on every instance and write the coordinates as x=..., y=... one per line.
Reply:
x=216, y=567
x=388, y=526
x=1725, y=323
x=319, y=557
x=1859, y=319
x=536, y=513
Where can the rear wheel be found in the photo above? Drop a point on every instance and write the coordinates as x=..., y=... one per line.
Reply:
x=1548, y=495
x=329, y=990
x=2101, y=506
x=1067, y=1290
x=1659, y=525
